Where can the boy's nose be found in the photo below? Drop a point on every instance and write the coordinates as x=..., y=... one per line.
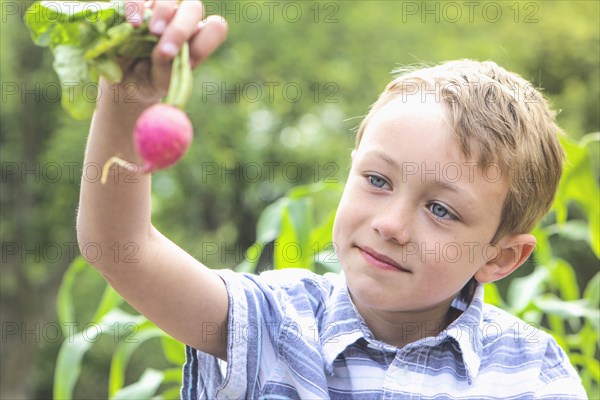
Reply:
x=393, y=224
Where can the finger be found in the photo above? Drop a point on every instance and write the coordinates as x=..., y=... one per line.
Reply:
x=162, y=13
x=180, y=28
x=134, y=11
x=210, y=34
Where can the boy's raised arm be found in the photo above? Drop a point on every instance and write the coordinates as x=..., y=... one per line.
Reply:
x=154, y=275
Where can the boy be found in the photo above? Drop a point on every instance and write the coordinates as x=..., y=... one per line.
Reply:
x=435, y=205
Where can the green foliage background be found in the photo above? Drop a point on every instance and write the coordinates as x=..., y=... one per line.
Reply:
x=340, y=55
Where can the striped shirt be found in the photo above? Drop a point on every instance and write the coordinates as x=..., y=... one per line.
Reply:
x=293, y=334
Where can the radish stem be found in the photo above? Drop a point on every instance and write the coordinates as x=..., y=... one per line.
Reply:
x=180, y=87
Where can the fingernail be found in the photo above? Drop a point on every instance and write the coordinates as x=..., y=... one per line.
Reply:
x=136, y=18
x=169, y=49
x=158, y=27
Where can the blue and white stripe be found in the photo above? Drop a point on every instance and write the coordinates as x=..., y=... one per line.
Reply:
x=297, y=335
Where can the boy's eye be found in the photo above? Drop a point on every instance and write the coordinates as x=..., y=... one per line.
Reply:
x=441, y=212
x=376, y=181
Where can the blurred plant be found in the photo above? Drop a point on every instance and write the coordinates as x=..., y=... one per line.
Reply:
x=299, y=227
x=295, y=232
x=129, y=331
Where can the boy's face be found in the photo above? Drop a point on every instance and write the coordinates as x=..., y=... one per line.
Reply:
x=416, y=217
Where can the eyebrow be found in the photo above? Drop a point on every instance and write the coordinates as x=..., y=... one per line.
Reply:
x=456, y=189
x=385, y=158
x=388, y=160
x=466, y=196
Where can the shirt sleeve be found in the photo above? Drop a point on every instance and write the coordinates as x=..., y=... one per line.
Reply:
x=207, y=377
x=259, y=327
x=558, y=378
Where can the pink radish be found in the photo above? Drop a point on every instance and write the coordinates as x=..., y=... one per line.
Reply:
x=163, y=132
x=162, y=135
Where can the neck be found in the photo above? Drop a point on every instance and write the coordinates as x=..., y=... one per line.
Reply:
x=400, y=328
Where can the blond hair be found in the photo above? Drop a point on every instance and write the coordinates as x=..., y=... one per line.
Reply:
x=503, y=120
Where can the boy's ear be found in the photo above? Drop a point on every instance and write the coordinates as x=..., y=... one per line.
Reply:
x=352, y=154
x=512, y=252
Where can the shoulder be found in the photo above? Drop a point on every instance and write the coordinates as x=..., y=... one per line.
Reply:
x=283, y=279
x=294, y=278
x=524, y=348
x=293, y=282
x=498, y=324
x=284, y=289
x=301, y=288
x=503, y=332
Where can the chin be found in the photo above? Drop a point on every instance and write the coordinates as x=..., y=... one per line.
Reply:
x=368, y=291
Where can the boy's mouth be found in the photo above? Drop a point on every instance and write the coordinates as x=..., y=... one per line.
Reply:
x=380, y=261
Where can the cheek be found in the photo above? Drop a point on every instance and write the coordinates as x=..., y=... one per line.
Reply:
x=454, y=253
x=456, y=263
x=347, y=221
x=444, y=277
x=341, y=223
x=440, y=254
x=462, y=249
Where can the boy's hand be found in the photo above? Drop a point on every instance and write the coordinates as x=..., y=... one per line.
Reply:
x=175, y=23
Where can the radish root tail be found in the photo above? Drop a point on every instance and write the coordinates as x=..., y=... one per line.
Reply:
x=120, y=162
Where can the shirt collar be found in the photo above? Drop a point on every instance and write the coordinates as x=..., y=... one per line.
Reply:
x=466, y=331
x=343, y=326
